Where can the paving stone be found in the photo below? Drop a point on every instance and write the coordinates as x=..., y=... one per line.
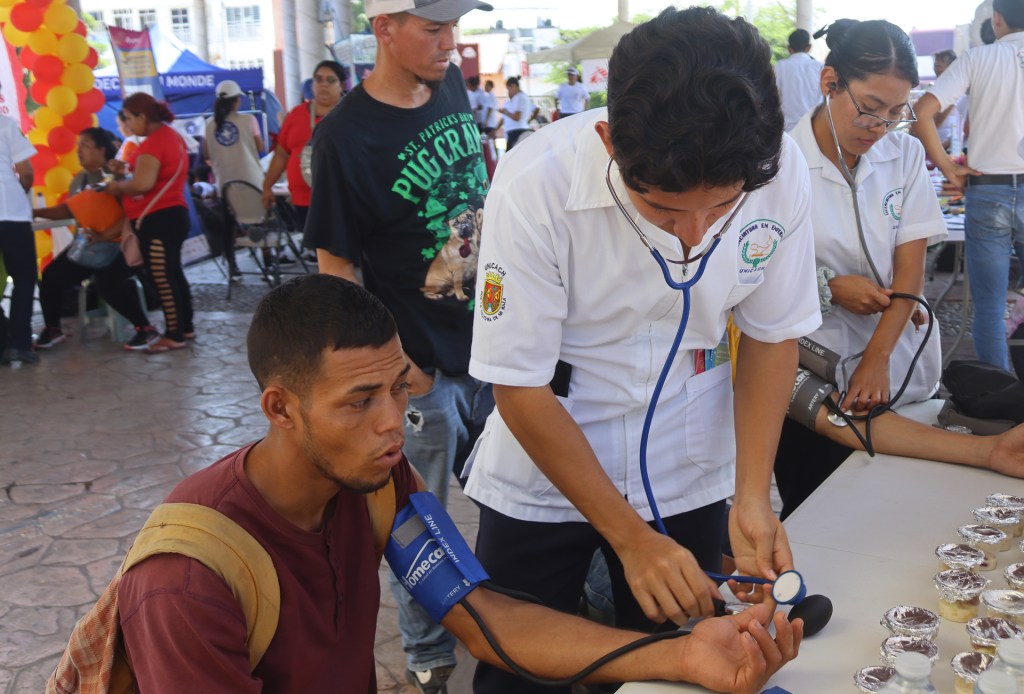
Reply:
x=119, y=482
x=54, y=586
x=32, y=679
x=44, y=493
x=61, y=519
x=240, y=436
x=21, y=547
x=79, y=552
x=119, y=524
x=100, y=572
x=68, y=469
x=149, y=498
x=6, y=677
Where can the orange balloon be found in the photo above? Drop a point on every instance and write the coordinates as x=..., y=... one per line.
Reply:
x=61, y=99
x=60, y=19
x=78, y=78
x=42, y=41
x=15, y=36
x=72, y=48
x=58, y=179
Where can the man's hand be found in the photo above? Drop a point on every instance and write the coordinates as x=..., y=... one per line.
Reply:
x=957, y=174
x=737, y=654
x=869, y=385
x=859, y=294
x=268, y=198
x=759, y=541
x=666, y=580
x=420, y=382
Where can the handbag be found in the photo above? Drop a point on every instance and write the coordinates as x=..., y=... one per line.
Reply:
x=94, y=255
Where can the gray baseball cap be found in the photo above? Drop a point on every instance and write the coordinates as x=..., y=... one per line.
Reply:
x=441, y=11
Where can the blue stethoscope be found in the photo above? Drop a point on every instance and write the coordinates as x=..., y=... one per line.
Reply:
x=788, y=588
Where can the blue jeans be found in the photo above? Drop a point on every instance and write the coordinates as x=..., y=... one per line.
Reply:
x=441, y=427
x=993, y=225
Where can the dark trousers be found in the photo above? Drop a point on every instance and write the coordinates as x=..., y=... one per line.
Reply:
x=804, y=460
x=161, y=235
x=18, y=247
x=512, y=137
x=114, y=284
x=550, y=561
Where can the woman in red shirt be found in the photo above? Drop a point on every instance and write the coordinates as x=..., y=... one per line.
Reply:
x=296, y=132
x=154, y=201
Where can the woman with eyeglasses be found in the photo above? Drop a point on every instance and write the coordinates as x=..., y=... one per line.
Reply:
x=874, y=212
x=296, y=133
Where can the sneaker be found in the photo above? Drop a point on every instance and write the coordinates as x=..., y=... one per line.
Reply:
x=142, y=338
x=431, y=681
x=49, y=337
x=19, y=356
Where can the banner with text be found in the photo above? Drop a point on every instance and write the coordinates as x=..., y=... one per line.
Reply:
x=12, y=87
x=136, y=66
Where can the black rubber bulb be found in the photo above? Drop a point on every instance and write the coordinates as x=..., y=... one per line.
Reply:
x=815, y=610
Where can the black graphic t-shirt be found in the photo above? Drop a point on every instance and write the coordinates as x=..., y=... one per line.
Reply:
x=400, y=192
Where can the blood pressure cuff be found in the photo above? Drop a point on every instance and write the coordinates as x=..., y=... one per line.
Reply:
x=430, y=557
x=809, y=393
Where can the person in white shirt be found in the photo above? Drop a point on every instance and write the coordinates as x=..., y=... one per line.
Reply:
x=572, y=96
x=490, y=103
x=17, y=242
x=476, y=101
x=691, y=161
x=797, y=77
x=950, y=121
x=517, y=111
x=994, y=181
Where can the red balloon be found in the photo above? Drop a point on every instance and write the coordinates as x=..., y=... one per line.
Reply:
x=44, y=160
x=27, y=57
x=38, y=3
x=78, y=121
x=25, y=17
x=39, y=90
x=61, y=139
x=92, y=58
x=90, y=102
x=48, y=68
x=79, y=28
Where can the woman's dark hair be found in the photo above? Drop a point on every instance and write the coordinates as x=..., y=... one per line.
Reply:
x=222, y=107
x=692, y=103
x=144, y=105
x=858, y=50
x=296, y=322
x=1012, y=12
x=335, y=67
x=101, y=139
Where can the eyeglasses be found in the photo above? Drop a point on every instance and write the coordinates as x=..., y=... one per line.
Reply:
x=868, y=120
x=647, y=242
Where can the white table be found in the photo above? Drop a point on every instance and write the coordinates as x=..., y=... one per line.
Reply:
x=866, y=539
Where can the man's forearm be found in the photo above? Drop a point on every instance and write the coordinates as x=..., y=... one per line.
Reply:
x=330, y=264
x=926, y=109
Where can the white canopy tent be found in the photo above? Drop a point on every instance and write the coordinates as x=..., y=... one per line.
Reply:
x=596, y=45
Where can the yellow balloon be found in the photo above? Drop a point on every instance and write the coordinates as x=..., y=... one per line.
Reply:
x=46, y=118
x=61, y=100
x=58, y=179
x=37, y=136
x=5, y=14
x=15, y=36
x=72, y=48
x=78, y=78
x=69, y=161
x=7, y=3
x=42, y=41
x=60, y=19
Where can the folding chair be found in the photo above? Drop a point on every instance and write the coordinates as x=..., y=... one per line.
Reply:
x=260, y=230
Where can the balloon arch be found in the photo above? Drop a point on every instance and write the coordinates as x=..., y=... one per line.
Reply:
x=51, y=44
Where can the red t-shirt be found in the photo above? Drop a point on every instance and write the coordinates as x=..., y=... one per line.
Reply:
x=185, y=632
x=168, y=148
x=295, y=134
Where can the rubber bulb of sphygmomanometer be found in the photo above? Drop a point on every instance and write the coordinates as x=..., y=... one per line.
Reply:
x=815, y=610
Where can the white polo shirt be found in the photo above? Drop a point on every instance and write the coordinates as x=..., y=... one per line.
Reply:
x=995, y=76
x=799, y=80
x=14, y=148
x=572, y=98
x=897, y=205
x=521, y=103
x=562, y=275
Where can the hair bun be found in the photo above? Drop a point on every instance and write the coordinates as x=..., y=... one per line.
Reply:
x=837, y=30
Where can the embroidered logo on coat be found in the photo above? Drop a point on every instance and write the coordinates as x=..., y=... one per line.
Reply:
x=227, y=134
x=492, y=297
x=758, y=241
x=892, y=204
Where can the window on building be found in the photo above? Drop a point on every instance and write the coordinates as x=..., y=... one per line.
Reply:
x=146, y=18
x=245, y=64
x=123, y=19
x=98, y=16
x=243, y=22
x=181, y=27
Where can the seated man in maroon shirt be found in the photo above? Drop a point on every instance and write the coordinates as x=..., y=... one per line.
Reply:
x=332, y=372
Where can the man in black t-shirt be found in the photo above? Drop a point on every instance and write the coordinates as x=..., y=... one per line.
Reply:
x=398, y=189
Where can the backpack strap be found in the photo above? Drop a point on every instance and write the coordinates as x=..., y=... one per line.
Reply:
x=228, y=550
x=381, y=505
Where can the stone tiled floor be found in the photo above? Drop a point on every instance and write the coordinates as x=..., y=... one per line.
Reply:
x=90, y=440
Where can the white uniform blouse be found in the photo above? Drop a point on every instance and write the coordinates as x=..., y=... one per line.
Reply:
x=14, y=148
x=897, y=205
x=562, y=275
